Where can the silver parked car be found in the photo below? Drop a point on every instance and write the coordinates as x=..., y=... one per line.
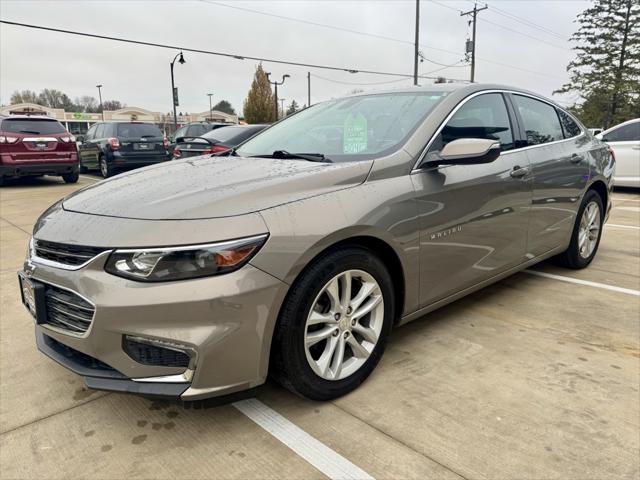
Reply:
x=299, y=252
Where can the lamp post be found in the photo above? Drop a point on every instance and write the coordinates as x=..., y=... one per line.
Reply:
x=276, y=89
x=174, y=90
x=99, y=87
x=210, y=107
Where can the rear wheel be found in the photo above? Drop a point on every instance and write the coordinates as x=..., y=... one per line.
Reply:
x=105, y=168
x=71, y=177
x=587, y=231
x=334, y=325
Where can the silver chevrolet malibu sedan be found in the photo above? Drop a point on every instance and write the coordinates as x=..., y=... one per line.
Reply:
x=296, y=254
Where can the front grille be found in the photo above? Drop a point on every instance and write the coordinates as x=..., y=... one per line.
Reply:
x=73, y=255
x=154, y=355
x=67, y=311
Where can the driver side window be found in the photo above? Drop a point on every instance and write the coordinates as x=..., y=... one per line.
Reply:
x=484, y=116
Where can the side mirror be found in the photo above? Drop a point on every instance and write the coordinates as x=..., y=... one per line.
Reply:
x=599, y=136
x=466, y=151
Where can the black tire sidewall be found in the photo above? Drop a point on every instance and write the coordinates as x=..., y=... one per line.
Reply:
x=574, y=249
x=291, y=363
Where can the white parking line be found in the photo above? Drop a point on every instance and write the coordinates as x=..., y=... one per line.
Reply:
x=615, y=199
x=89, y=178
x=329, y=462
x=621, y=226
x=587, y=283
x=628, y=209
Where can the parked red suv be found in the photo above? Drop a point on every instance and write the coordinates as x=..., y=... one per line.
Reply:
x=36, y=145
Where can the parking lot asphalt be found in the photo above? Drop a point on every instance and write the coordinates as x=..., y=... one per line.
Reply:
x=534, y=377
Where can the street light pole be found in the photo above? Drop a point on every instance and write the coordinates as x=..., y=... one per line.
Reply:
x=284, y=77
x=174, y=91
x=99, y=87
x=210, y=107
x=416, y=54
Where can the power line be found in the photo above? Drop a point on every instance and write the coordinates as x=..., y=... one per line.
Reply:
x=525, y=21
x=210, y=52
x=358, y=84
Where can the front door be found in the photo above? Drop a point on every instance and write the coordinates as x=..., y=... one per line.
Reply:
x=473, y=218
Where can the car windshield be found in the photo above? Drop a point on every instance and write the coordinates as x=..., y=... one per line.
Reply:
x=354, y=128
x=138, y=130
x=226, y=134
x=32, y=126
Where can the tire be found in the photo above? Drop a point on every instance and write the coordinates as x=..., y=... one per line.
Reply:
x=579, y=255
x=71, y=177
x=298, y=367
x=105, y=168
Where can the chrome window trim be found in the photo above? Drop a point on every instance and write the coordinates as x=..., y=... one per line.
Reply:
x=63, y=266
x=416, y=169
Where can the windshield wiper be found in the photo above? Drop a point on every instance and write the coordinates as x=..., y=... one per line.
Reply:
x=311, y=157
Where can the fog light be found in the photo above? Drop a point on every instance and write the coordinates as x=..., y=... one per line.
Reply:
x=159, y=353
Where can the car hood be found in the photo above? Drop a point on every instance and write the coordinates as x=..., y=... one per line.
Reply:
x=211, y=187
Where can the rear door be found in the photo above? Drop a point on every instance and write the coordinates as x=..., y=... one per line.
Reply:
x=473, y=218
x=625, y=143
x=560, y=172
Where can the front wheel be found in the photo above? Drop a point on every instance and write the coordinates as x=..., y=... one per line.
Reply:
x=586, y=234
x=334, y=325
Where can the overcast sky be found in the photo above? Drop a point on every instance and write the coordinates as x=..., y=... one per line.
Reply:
x=139, y=75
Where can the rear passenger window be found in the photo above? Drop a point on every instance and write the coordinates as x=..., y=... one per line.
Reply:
x=626, y=133
x=541, y=121
x=484, y=116
x=569, y=126
x=99, y=131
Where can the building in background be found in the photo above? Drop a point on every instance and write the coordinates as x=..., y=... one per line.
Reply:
x=79, y=122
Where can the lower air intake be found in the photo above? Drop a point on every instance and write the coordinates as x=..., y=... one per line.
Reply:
x=154, y=355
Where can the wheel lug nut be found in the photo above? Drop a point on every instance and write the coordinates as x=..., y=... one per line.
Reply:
x=353, y=322
x=346, y=334
x=337, y=316
x=335, y=333
x=349, y=311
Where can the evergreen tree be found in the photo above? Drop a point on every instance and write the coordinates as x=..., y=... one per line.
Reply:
x=606, y=70
x=259, y=104
x=293, y=107
x=224, y=106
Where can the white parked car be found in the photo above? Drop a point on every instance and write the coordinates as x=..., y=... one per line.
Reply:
x=624, y=140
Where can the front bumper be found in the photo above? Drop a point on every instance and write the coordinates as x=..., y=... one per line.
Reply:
x=227, y=320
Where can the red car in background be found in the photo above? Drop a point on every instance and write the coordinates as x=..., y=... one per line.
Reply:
x=36, y=145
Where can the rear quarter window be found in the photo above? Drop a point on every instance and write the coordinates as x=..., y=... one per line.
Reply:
x=541, y=121
x=569, y=126
x=32, y=126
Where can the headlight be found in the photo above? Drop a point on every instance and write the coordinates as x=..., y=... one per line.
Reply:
x=179, y=263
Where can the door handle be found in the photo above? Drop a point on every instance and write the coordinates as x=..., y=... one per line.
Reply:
x=518, y=172
x=575, y=158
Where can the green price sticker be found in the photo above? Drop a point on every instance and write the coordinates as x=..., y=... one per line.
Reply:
x=355, y=134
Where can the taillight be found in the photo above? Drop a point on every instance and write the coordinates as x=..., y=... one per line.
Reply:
x=114, y=143
x=68, y=139
x=176, y=152
x=4, y=139
x=216, y=149
x=165, y=142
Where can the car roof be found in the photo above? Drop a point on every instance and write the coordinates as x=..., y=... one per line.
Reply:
x=26, y=117
x=633, y=120
x=462, y=89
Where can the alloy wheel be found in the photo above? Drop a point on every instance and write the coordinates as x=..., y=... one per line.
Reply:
x=344, y=324
x=589, y=230
x=104, y=169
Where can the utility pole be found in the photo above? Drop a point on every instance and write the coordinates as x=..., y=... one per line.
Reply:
x=416, y=53
x=210, y=107
x=99, y=87
x=284, y=77
x=308, y=89
x=474, y=14
x=282, y=106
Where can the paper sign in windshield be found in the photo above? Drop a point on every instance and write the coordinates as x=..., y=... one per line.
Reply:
x=355, y=134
